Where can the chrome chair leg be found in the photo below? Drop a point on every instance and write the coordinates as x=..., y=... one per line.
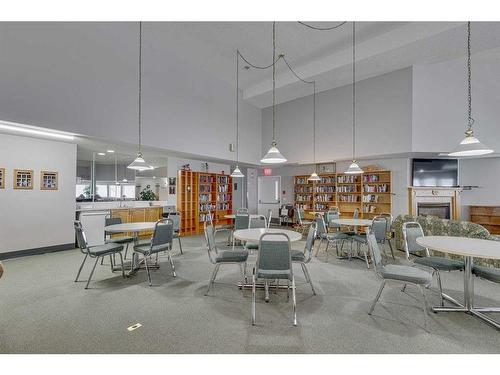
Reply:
x=294, y=302
x=390, y=246
x=424, y=305
x=440, y=286
x=242, y=273
x=377, y=297
x=403, y=288
x=171, y=264
x=121, y=261
x=308, y=277
x=147, y=269
x=212, y=279
x=92, y=272
x=253, y=297
x=126, y=250
x=277, y=286
x=81, y=267
x=180, y=244
x=266, y=288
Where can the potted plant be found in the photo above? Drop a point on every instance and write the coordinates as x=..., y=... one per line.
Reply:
x=147, y=194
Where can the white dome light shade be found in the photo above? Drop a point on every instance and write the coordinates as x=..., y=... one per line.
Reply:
x=314, y=177
x=237, y=173
x=470, y=146
x=139, y=164
x=273, y=156
x=354, y=168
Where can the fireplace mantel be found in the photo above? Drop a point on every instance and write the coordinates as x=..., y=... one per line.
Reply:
x=421, y=194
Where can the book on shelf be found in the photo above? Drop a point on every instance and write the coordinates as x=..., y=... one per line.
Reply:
x=371, y=178
x=347, y=179
x=370, y=198
x=384, y=188
x=349, y=198
x=369, y=209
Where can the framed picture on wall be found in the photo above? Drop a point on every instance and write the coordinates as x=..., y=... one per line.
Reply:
x=2, y=178
x=171, y=190
x=326, y=168
x=48, y=180
x=171, y=181
x=23, y=179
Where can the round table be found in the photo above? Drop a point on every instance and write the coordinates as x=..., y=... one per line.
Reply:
x=353, y=222
x=469, y=248
x=233, y=216
x=253, y=235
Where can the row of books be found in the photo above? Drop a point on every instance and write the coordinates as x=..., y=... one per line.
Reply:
x=223, y=197
x=371, y=198
x=223, y=179
x=207, y=207
x=371, y=178
x=302, y=198
x=206, y=217
x=301, y=180
x=303, y=206
x=222, y=206
x=325, y=189
x=384, y=188
x=324, y=198
x=347, y=189
x=345, y=179
x=205, y=188
x=204, y=197
x=348, y=198
x=304, y=189
x=320, y=207
x=327, y=180
x=222, y=188
x=206, y=179
x=369, y=209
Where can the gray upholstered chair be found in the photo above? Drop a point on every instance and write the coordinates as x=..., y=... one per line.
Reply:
x=176, y=220
x=378, y=229
x=161, y=240
x=330, y=238
x=121, y=238
x=96, y=252
x=274, y=262
x=304, y=257
x=487, y=273
x=241, y=221
x=413, y=230
x=389, y=232
x=398, y=273
x=256, y=222
x=332, y=214
x=219, y=257
x=302, y=224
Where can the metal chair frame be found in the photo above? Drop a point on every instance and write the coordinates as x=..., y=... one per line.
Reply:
x=308, y=250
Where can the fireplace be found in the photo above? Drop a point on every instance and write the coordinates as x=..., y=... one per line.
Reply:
x=441, y=210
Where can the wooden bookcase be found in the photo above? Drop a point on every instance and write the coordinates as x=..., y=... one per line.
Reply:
x=370, y=193
x=487, y=216
x=201, y=194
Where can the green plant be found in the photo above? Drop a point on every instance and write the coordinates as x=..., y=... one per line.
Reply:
x=147, y=194
x=86, y=191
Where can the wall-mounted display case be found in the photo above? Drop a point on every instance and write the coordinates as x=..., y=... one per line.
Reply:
x=2, y=178
x=23, y=179
x=48, y=180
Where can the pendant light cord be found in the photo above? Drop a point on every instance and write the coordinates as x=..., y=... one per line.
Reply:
x=469, y=76
x=353, y=90
x=274, y=83
x=237, y=105
x=140, y=83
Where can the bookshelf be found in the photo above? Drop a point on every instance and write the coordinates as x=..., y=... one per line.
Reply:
x=370, y=193
x=202, y=197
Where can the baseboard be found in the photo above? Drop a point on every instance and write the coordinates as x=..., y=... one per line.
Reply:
x=36, y=251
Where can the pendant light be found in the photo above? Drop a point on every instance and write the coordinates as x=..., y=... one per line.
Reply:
x=274, y=156
x=139, y=164
x=236, y=172
x=314, y=176
x=470, y=145
x=354, y=167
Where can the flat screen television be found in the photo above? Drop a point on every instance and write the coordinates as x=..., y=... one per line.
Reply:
x=435, y=172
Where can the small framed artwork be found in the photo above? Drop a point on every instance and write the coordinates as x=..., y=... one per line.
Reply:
x=171, y=190
x=48, y=180
x=23, y=179
x=2, y=178
x=326, y=168
x=171, y=181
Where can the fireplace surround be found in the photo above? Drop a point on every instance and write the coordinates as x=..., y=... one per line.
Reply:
x=436, y=201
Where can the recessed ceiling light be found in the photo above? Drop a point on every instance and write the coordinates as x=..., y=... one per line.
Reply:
x=101, y=154
x=110, y=151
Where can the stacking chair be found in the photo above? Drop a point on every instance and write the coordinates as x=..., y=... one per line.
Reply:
x=176, y=220
x=122, y=238
x=388, y=232
x=219, y=257
x=413, y=230
x=330, y=238
x=242, y=210
x=241, y=221
x=398, y=273
x=378, y=229
x=332, y=214
x=301, y=223
x=161, y=240
x=304, y=257
x=274, y=262
x=256, y=222
x=96, y=252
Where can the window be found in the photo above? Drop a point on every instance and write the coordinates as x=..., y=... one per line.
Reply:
x=80, y=189
x=128, y=191
x=102, y=190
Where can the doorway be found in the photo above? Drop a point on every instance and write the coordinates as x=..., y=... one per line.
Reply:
x=269, y=195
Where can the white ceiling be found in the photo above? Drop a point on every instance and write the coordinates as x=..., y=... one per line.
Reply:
x=325, y=56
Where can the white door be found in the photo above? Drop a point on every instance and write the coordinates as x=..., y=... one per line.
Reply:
x=269, y=193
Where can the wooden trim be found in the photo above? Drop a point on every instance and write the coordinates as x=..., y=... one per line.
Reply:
x=42, y=185
x=28, y=172
x=2, y=178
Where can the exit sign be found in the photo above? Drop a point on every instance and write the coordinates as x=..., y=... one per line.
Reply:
x=268, y=171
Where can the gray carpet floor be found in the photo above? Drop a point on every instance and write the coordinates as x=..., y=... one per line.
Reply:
x=42, y=310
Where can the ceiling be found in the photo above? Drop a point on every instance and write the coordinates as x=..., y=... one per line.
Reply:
x=324, y=56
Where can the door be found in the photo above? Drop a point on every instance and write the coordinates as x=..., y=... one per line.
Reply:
x=269, y=194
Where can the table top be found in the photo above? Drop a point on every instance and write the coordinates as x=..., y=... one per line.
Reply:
x=254, y=234
x=473, y=247
x=232, y=216
x=130, y=227
x=353, y=222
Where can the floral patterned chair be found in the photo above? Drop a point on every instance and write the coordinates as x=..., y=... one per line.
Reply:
x=434, y=226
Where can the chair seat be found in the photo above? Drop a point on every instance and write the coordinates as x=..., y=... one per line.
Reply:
x=440, y=263
x=334, y=236
x=297, y=255
x=406, y=273
x=230, y=256
x=252, y=246
x=488, y=273
x=121, y=239
x=146, y=248
x=274, y=274
x=108, y=248
x=306, y=222
x=359, y=238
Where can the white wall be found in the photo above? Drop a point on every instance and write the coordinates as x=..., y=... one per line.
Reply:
x=82, y=77
x=36, y=218
x=440, y=103
x=383, y=113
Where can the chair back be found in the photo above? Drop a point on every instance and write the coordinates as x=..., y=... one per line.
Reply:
x=176, y=221
x=311, y=236
x=300, y=213
x=389, y=219
x=332, y=215
x=379, y=226
x=411, y=231
x=242, y=210
x=269, y=217
x=163, y=233
x=258, y=222
x=111, y=221
x=80, y=237
x=241, y=221
x=274, y=255
x=320, y=225
x=210, y=239
x=374, y=250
